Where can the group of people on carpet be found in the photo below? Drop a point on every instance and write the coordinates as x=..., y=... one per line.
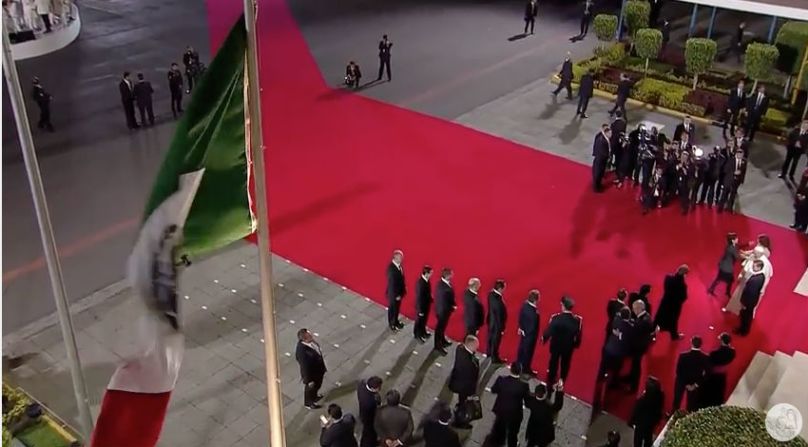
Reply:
x=353, y=74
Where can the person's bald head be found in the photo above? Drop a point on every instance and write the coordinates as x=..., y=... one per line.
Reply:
x=638, y=307
x=471, y=342
x=474, y=284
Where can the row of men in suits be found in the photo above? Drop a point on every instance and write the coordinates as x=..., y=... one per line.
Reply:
x=746, y=109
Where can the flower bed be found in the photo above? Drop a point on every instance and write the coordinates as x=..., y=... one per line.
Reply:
x=724, y=426
x=24, y=420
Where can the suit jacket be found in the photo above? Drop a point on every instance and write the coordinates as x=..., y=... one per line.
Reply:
x=497, y=312
x=680, y=129
x=756, y=111
x=566, y=71
x=750, y=297
x=692, y=366
x=465, y=372
x=736, y=101
x=721, y=357
x=394, y=423
x=143, y=92
x=642, y=334
x=618, y=343
x=353, y=70
x=601, y=148
x=368, y=403
x=531, y=10
x=512, y=393
x=564, y=332
x=541, y=423
x=175, y=81
x=41, y=97
x=127, y=94
x=618, y=127
x=395, y=282
x=423, y=296
x=729, y=171
x=794, y=137
x=623, y=90
x=444, y=299
x=312, y=365
x=587, y=86
x=728, y=259
x=473, y=314
x=439, y=435
x=339, y=434
x=612, y=308
x=529, y=320
x=648, y=410
x=384, y=49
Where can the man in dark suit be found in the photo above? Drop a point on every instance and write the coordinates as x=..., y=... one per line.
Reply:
x=613, y=307
x=531, y=11
x=750, y=297
x=586, y=18
x=127, y=91
x=737, y=46
x=175, y=87
x=666, y=34
x=796, y=145
x=497, y=317
x=691, y=367
x=685, y=127
x=312, y=368
x=352, y=75
x=640, y=339
x=715, y=384
x=710, y=189
x=648, y=411
x=726, y=265
x=540, y=430
x=384, y=58
x=396, y=289
x=674, y=296
x=190, y=59
x=473, y=313
x=393, y=422
x=585, y=91
x=464, y=376
x=338, y=430
x=367, y=393
x=566, y=77
x=42, y=100
x=437, y=433
x=623, y=92
x=734, y=176
x=444, y=306
x=423, y=303
x=564, y=334
x=757, y=106
x=735, y=104
x=143, y=98
x=616, y=348
x=741, y=142
x=512, y=394
x=528, y=331
x=601, y=150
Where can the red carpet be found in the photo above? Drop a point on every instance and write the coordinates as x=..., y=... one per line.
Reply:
x=350, y=179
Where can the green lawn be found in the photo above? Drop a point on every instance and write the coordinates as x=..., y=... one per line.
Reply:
x=42, y=435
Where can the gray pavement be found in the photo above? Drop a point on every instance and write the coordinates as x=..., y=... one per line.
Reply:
x=220, y=399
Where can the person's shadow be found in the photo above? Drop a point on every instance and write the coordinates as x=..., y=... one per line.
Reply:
x=516, y=37
x=570, y=131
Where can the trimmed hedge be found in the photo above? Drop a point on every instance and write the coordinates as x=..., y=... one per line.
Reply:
x=605, y=26
x=791, y=42
x=637, y=13
x=699, y=56
x=724, y=426
x=647, y=43
x=760, y=60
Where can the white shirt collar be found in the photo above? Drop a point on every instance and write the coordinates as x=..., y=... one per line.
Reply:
x=472, y=292
x=532, y=304
x=425, y=278
x=497, y=292
x=443, y=423
x=446, y=281
x=397, y=264
x=467, y=349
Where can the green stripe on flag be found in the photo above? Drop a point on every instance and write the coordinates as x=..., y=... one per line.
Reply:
x=211, y=135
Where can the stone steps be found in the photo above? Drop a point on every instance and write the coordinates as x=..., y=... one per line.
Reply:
x=769, y=381
x=749, y=379
x=792, y=387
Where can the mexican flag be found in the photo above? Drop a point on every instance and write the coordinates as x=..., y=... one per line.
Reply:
x=200, y=202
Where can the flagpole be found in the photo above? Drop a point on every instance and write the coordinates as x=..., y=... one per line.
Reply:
x=46, y=234
x=277, y=435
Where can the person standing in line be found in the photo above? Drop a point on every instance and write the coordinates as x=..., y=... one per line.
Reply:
x=750, y=297
x=175, y=87
x=800, y=212
x=367, y=393
x=528, y=332
x=127, y=91
x=540, y=431
x=616, y=348
x=191, y=61
x=565, y=76
x=715, y=384
x=685, y=127
x=623, y=92
x=396, y=289
x=42, y=99
x=735, y=104
x=691, y=367
x=586, y=18
x=710, y=190
x=445, y=305
x=143, y=98
x=497, y=317
x=796, y=145
x=353, y=75
x=601, y=151
x=648, y=411
x=394, y=424
x=737, y=41
x=585, y=92
x=473, y=313
x=564, y=334
x=639, y=342
x=312, y=368
x=437, y=433
x=726, y=265
x=757, y=107
x=512, y=394
x=734, y=176
x=384, y=58
x=674, y=296
x=531, y=11
x=463, y=378
x=338, y=429
x=423, y=303
x=613, y=307
x=641, y=295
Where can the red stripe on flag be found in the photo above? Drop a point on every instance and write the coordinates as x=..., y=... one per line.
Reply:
x=130, y=419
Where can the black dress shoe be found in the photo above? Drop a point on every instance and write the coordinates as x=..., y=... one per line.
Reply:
x=313, y=406
x=400, y=325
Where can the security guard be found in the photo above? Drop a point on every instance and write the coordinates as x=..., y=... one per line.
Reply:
x=564, y=333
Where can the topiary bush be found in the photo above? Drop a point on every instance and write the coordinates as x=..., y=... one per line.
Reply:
x=724, y=426
x=792, y=38
x=647, y=43
x=760, y=61
x=637, y=13
x=699, y=56
x=605, y=26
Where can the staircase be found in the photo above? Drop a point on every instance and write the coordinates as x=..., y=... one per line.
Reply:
x=770, y=380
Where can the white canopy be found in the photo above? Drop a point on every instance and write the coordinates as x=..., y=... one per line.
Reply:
x=786, y=9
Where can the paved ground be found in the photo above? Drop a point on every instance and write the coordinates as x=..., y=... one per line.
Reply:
x=220, y=398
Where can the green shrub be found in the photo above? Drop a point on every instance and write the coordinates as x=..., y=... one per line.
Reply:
x=637, y=13
x=775, y=119
x=606, y=87
x=612, y=54
x=791, y=42
x=662, y=93
x=699, y=56
x=42, y=435
x=692, y=109
x=760, y=60
x=723, y=427
x=647, y=43
x=605, y=26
